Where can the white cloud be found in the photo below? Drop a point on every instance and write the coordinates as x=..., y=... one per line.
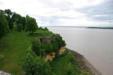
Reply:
x=51, y=8
x=81, y=22
x=84, y=3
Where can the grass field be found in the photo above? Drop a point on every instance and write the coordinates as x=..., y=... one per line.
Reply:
x=12, y=48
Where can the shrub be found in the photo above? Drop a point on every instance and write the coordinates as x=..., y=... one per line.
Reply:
x=36, y=47
x=84, y=73
x=35, y=65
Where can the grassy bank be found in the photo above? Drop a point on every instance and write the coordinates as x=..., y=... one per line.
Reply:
x=12, y=48
x=14, y=45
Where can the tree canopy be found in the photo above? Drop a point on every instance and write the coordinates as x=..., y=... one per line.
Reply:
x=31, y=24
x=12, y=21
x=4, y=28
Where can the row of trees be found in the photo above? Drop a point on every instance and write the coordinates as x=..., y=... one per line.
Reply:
x=42, y=49
x=10, y=21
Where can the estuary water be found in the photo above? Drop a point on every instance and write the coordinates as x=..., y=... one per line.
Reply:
x=94, y=44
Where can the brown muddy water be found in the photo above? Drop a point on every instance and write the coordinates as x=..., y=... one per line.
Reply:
x=96, y=45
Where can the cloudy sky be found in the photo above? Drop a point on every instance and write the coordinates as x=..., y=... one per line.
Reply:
x=64, y=12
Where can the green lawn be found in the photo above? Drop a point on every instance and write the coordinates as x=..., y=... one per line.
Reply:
x=12, y=47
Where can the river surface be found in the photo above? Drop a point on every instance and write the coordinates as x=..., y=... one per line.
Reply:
x=95, y=44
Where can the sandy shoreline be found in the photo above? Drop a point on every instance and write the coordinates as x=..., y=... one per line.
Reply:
x=84, y=64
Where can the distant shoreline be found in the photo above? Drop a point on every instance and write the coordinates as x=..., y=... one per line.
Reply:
x=82, y=27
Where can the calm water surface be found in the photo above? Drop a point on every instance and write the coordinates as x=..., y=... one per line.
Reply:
x=95, y=44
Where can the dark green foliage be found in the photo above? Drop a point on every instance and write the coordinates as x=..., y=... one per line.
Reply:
x=23, y=22
x=46, y=28
x=1, y=11
x=47, y=47
x=29, y=64
x=36, y=47
x=35, y=65
x=19, y=23
x=58, y=42
x=31, y=24
x=41, y=49
x=19, y=27
x=8, y=15
x=14, y=18
x=4, y=28
x=55, y=45
x=42, y=32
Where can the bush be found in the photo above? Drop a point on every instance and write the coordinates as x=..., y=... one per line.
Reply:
x=84, y=73
x=36, y=47
x=41, y=49
x=48, y=48
x=58, y=42
x=35, y=65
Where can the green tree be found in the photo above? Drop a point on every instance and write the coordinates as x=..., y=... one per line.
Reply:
x=3, y=25
x=8, y=15
x=46, y=28
x=57, y=42
x=35, y=65
x=31, y=24
x=47, y=47
x=17, y=21
x=29, y=64
x=23, y=22
x=55, y=45
x=60, y=41
x=1, y=11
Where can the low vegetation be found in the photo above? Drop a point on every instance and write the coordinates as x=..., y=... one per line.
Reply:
x=12, y=48
x=23, y=46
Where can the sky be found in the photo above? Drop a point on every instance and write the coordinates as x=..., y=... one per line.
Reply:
x=64, y=12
